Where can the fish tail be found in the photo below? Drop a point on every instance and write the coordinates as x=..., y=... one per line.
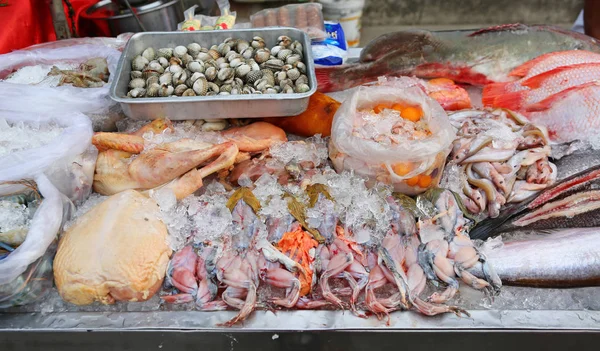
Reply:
x=343, y=77
x=498, y=95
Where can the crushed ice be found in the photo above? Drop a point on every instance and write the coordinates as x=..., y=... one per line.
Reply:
x=38, y=75
x=20, y=136
x=13, y=216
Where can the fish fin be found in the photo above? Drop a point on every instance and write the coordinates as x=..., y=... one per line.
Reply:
x=551, y=100
x=513, y=101
x=326, y=78
x=537, y=81
x=456, y=73
x=523, y=70
x=500, y=28
x=492, y=91
x=337, y=78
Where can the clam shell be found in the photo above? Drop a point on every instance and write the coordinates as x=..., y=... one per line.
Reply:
x=200, y=86
x=180, y=89
x=139, y=62
x=223, y=49
x=253, y=65
x=261, y=55
x=151, y=80
x=137, y=83
x=225, y=88
x=253, y=76
x=223, y=65
x=163, y=62
x=214, y=126
x=194, y=49
x=293, y=74
x=213, y=87
x=258, y=42
x=175, y=61
x=189, y=92
x=149, y=54
x=296, y=45
x=155, y=66
x=275, y=50
x=273, y=64
x=302, y=88
x=284, y=54
x=220, y=60
x=242, y=70
x=242, y=45
x=292, y=59
x=152, y=90
x=284, y=41
x=194, y=77
x=186, y=59
x=179, y=78
x=166, y=90
x=298, y=52
x=210, y=73
x=248, y=52
x=301, y=80
x=287, y=89
x=179, y=51
x=283, y=83
x=270, y=91
x=135, y=74
x=236, y=62
x=136, y=93
x=225, y=74
x=165, y=78
x=165, y=52
x=301, y=67
x=147, y=73
x=196, y=66
x=203, y=56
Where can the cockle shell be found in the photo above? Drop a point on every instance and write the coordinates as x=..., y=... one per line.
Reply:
x=179, y=78
x=149, y=54
x=186, y=59
x=258, y=42
x=163, y=62
x=214, y=54
x=194, y=49
x=165, y=52
x=200, y=86
x=210, y=73
x=180, y=89
x=193, y=78
x=135, y=74
x=242, y=70
x=136, y=93
x=166, y=78
x=165, y=90
x=179, y=51
x=293, y=74
x=225, y=74
x=261, y=55
x=196, y=66
x=189, y=92
x=204, y=56
x=152, y=90
x=139, y=62
x=151, y=80
x=137, y=83
x=242, y=45
x=253, y=76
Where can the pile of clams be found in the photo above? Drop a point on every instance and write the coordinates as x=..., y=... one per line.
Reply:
x=235, y=66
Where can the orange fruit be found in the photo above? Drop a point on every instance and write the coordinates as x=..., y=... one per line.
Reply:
x=380, y=107
x=412, y=181
x=412, y=114
x=424, y=181
x=402, y=168
x=398, y=107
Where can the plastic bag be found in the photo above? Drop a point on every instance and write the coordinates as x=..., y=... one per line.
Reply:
x=411, y=165
x=307, y=17
x=62, y=99
x=117, y=42
x=26, y=273
x=201, y=22
x=68, y=161
x=333, y=50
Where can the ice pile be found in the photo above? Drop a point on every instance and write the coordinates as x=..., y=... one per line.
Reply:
x=209, y=214
x=312, y=150
x=13, y=216
x=21, y=136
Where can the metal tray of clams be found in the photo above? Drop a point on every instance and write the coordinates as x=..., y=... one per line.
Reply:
x=216, y=106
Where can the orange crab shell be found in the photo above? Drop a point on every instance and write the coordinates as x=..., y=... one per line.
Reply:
x=297, y=245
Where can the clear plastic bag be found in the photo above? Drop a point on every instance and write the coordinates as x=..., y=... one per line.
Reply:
x=201, y=22
x=61, y=99
x=307, y=17
x=117, y=42
x=26, y=274
x=411, y=165
x=68, y=160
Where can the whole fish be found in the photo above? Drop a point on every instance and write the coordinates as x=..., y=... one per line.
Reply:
x=572, y=202
x=481, y=57
x=572, y=114
x=566, y=258
x=552, y=60
x=540, y=87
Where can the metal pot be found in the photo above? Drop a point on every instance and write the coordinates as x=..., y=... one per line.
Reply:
x=159, y=16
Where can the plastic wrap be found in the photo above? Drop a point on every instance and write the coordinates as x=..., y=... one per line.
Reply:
x=307, y=17
x=201, y=22
x=26, y=274
x=117, y=42
x=61, y=99
x=68, y=161
x=402, y=163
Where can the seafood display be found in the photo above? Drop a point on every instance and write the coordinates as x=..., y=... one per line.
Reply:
x=307, y=17
x=233, y=67
x=482, y=57
x=397, y=137
x=115, y=252
x=416, y=194
x=498, y=158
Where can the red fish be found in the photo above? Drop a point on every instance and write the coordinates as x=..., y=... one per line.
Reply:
x=539, y=87
x=572, y=114
x=483, y=57
x=550, y=61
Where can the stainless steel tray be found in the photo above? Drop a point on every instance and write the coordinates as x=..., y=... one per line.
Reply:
x=210, y=107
